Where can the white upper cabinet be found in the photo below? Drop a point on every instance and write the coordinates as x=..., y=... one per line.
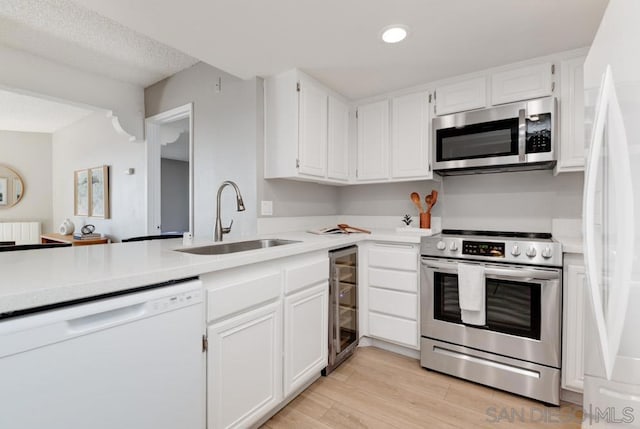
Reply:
x=572, y=125
x=312, y=133
x=338, y=141
x=522, y=83
x=460, y=96
x=373, y=141
x=306, y=130
x=410, y=136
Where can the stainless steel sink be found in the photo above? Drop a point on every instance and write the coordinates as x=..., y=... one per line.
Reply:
x=239, y=246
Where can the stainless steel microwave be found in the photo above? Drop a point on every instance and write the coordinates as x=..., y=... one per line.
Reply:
x=515, y=136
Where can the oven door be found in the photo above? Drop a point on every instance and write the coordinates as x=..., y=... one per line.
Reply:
x=523, y=310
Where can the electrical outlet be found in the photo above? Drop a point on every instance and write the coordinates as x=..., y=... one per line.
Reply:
x=266, y=208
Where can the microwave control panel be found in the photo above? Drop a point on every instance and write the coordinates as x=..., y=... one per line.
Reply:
x=538, y=138
x=483, y=248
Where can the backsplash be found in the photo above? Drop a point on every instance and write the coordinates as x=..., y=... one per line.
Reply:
x=523, y=201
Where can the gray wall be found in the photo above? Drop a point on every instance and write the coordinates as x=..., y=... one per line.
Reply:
x=29, y=154
x=174, y=187
x=386, y=199
x=228, y=141
x=506, y=201
x=91, y=142
x=225, y=140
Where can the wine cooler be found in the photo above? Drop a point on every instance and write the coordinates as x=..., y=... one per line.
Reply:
x=343, y=306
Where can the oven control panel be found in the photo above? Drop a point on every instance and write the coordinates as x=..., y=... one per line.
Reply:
x=483, y=248
x=517, y=250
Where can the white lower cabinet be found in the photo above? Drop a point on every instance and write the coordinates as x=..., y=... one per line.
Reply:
x=391, y=301
x=305, y=336
x=244, y=367
x=573, y=323
x=267, y=336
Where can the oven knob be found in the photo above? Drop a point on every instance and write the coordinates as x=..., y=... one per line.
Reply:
x=546, y=253
x=515, y=250
x=454, y=246
x=531, y=251
x=441, y=245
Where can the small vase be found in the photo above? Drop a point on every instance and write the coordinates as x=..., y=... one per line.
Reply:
x=425, y=220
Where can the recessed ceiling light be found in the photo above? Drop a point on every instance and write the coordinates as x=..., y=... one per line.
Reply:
x=394, y=33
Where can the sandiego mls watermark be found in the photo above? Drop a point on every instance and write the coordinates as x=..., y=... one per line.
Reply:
x=593, y=415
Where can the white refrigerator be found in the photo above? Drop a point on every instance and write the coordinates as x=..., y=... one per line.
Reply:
x=611, y=221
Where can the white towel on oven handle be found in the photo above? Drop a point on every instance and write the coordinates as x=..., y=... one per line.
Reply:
x=471, y=293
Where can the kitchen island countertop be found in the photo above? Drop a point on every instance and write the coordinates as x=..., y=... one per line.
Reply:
x=38, y=278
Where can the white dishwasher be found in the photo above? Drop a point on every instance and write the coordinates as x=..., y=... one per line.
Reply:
x=133, y=361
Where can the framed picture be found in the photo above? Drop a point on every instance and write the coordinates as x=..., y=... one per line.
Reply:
x=81, y=193
x=99, y=192
x=4, y=194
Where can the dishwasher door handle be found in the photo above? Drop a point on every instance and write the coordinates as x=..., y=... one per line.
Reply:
x=117, y=316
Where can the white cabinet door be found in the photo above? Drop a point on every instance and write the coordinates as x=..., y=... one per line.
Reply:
x=410, y=136
x=338, y=151
x=244, y=379
x=460, y=96
x=573, y=325
x=572, y=144
x=305, y=336
x=312, y=133
x=373, y=141
x=522, y=84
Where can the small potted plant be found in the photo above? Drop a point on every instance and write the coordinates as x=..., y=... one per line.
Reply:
x=407, y=220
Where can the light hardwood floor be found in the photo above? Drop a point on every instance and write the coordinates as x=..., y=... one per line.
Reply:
x=379, y=389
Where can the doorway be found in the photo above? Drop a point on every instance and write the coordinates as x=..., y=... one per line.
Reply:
x=170, y=171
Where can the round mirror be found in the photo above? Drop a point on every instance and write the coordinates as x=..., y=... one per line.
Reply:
x=11, y=187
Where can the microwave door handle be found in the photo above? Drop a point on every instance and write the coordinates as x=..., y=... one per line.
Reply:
x=522, y=135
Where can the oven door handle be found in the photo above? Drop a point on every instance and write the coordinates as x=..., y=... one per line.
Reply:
x=512, y=273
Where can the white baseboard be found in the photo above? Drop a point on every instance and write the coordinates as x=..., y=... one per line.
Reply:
x=570, y=396
x=394, y=348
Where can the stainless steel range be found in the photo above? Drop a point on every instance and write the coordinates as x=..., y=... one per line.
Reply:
x=508, y=332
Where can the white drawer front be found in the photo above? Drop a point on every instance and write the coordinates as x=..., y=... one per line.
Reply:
x=400, y=304
x=394, y=257
x=398, y=280
x=306, y=275
x=401, y=331
x=242, y=295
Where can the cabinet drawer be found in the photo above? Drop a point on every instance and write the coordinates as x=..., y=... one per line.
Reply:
x=305, y=275
x=396, y=257
x=393, y=303
x=242, y=294
x=397, y=280
x=393, y=329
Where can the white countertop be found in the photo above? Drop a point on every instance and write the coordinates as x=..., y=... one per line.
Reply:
x=36, y=278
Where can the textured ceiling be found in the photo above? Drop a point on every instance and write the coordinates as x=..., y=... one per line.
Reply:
x=67, y=33
x=19, y=112
x=338, y=41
